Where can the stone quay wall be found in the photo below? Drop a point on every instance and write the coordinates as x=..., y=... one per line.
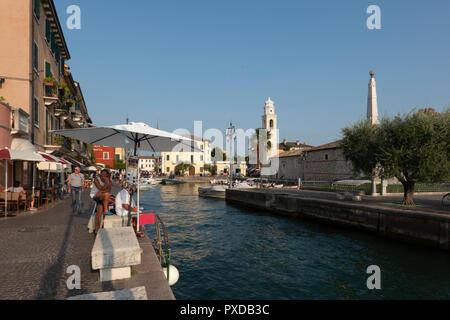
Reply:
x=418, y=227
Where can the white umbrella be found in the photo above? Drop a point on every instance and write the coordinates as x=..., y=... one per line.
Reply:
x=132, y=136
x=8, y=154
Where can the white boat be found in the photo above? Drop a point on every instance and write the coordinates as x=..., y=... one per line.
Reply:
x=214, y=191
x=148, y=180
x=145, y=186
x=244, y=185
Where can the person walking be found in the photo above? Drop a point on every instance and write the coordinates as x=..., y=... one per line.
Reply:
x=76, y=187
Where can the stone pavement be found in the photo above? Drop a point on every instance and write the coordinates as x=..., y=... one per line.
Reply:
x=424, y=202
x=37, y=248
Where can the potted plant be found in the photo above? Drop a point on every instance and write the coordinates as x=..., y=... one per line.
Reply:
x=49, y=82
x=64, y=91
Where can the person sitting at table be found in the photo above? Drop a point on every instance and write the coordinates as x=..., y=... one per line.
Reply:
x=17, y=188
x=123, y=206
x=100, y=193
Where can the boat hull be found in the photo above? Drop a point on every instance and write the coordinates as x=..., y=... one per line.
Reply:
x=172, y=181
x=212, y=192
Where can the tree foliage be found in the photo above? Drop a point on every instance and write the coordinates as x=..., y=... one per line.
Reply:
x=183, y=167
x=211, y=168
x=412, y=148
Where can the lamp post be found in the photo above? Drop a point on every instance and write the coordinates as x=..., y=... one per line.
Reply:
x=231, y=134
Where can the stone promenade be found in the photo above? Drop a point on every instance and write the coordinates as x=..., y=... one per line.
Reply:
x=37, y=248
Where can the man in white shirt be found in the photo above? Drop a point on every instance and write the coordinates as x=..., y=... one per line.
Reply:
x=123, y=201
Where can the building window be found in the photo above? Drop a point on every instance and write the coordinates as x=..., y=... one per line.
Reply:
x=37, y=8
x=192, y=159
x=201, y=157
x=271, y=124
x=35, y=57
x=52, y=43
x=48, y=69
x=167, y=169
x=178, y=158
x=48, y=31
x=168, y=158
x=36, y=111
x=105, y=155
x=326, y=157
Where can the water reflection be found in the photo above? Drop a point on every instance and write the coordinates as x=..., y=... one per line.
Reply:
x=230, y=252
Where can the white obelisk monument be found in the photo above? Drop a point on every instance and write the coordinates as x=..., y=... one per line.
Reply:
x=372, y=103
x=372, y=116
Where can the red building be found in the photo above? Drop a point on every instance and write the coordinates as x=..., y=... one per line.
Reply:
x=104, y=155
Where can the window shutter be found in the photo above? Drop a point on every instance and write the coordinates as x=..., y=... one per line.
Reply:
x=57, y=54
x=48, y=31
x=37, y=8
x=62, y=66
x=36, y=111
x=35, y=56
x=48, y=70
x=53, y=43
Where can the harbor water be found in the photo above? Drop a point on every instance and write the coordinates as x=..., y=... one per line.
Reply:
x=224, y=251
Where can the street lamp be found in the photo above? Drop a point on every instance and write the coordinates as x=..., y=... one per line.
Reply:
x=231, y=133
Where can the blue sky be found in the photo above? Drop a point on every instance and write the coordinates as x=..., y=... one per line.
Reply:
x=174, y=62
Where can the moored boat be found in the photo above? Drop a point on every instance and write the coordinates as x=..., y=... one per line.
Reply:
x=172, y=181
x=215, y=191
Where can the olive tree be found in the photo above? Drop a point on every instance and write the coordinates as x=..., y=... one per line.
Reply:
x=412, y=148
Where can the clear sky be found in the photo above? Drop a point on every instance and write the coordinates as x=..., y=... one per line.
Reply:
x=174, y=62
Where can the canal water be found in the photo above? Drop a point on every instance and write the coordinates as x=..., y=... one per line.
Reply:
x=230, y=252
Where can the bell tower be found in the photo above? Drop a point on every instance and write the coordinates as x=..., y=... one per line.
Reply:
x=270, y=125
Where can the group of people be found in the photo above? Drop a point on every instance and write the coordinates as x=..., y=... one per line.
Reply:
x=101, y=194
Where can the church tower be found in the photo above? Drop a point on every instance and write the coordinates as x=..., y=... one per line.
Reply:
x=372, y=104
x=270, y=124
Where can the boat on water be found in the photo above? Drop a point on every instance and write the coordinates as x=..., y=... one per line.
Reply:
x=214, y=191
x=145, y=186
x=171, y=180
x=219, y=190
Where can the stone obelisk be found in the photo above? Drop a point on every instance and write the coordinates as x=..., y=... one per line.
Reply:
x=372, y=116
x=372, y=103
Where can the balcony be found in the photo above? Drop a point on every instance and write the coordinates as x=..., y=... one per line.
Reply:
x=61, y=111
x=50, y=93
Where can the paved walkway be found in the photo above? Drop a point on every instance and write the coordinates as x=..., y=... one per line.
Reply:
x=424, y=202
x=37, y=248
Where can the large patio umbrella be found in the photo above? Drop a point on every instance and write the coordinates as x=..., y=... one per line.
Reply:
x=8, y=154
x=133, y=136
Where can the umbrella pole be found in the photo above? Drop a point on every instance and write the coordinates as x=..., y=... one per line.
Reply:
x=6, y=188
x=138, y=193
x=32, y=197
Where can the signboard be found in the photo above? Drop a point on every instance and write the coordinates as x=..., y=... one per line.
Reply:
x=132, y=173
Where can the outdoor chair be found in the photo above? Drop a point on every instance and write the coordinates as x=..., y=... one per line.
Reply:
x=46, y=196
x=13, y=200
x=37, y=198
